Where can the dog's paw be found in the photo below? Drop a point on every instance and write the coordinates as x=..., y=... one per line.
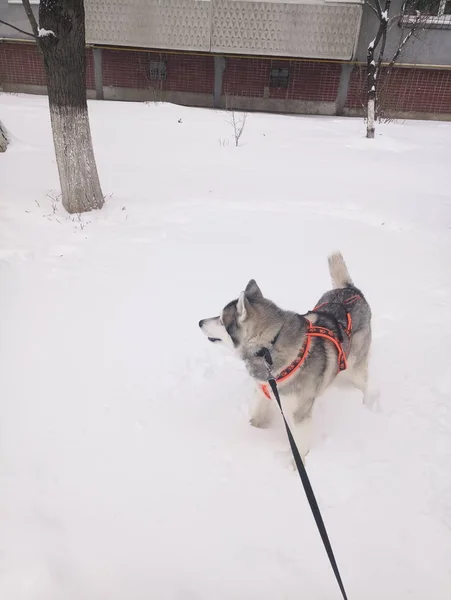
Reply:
x=259, y=421
x=286, y=458
x=371, y=400
x=293, y=462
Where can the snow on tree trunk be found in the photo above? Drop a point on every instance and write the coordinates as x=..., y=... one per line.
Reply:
x=3, y=138
x=372, y=69
x=371, y=91
x=62, y=42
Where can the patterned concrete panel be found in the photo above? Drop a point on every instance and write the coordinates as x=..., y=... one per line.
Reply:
x=322, y=29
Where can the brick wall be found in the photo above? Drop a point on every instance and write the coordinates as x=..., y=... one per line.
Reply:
x=90, y=81
x=245, y=77
x=125, y=69
x=185, y=72
x=22, y=64
x=314, y=81
x=309, y=80
x=405, y=90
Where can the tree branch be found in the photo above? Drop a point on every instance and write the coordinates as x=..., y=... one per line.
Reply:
x=382, y=31
x=376, y=4
x=31, y=17
x=375, y=43
x=394, y=19
x=382, y=51
x=373, y=9
x=17, y=29
x=403, y=43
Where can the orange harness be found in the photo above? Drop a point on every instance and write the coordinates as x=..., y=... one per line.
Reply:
x=316, y=331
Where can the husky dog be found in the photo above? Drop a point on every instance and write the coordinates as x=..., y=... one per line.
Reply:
x=307, y=351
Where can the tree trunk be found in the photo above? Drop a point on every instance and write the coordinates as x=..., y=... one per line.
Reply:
x=372, y=70
x=371, y=91
x=370, y=129
x=62, y=42
x=3, y=138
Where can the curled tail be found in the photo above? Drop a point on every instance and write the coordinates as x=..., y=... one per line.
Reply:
x=338, y=271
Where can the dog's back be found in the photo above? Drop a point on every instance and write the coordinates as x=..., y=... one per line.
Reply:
x=343, y=300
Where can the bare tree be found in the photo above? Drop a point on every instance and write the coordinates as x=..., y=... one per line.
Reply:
x=237, y=121
x=381, y=9
x=3, y=138
x=60, y=37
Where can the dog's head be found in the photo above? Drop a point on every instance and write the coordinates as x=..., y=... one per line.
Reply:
x=245, y=325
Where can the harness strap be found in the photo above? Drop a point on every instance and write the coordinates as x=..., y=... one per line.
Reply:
x=316, y=331
x=312, y=331
x=328, y=334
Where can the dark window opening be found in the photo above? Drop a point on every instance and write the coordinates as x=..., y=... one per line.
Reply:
x=157, y=70
x=279, y=78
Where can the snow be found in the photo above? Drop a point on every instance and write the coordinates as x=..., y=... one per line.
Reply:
x=384, y=15
x=45, y=32
x=128, y=468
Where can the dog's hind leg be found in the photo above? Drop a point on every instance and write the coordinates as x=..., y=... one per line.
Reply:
x=358, y=376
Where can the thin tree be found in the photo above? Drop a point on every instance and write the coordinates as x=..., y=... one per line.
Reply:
x=381, y=9
x=60, y=37
x=238, y=123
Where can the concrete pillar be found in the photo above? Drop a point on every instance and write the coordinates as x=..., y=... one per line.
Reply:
x=98, y=77
x=220, y=63
x=343, y=87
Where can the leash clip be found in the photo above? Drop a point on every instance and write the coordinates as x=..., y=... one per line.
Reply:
x=266, y=355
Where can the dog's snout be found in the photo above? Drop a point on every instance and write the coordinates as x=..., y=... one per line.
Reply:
x=201, y=323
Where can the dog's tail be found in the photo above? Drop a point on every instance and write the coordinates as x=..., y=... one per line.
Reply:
x=338, y=271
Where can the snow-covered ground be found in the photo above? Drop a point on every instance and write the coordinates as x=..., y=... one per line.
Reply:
x=128, y=470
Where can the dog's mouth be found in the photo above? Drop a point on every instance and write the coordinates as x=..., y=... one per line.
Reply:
x=213, y=339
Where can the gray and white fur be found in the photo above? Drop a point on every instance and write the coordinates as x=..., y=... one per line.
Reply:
x=252, y=322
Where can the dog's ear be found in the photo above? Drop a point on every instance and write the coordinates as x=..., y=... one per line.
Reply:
x=252, y=291
x=241, y=307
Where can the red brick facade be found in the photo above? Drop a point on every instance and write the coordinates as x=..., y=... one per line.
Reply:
x=22, y=64
x=308, y=80
x=407, y=89
x=186, y=72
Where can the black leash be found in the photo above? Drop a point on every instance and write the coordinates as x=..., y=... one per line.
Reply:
x=306, y=481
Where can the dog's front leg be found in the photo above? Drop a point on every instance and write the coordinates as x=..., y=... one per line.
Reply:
x=261, y=411
x=302, y=433
x=299, y=417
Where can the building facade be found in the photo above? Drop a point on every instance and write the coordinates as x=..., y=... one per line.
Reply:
x=293, y=56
